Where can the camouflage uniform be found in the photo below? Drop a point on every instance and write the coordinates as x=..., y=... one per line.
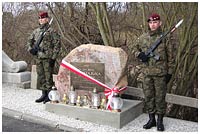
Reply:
x=49, y=49
x=154, y=71
x=152, y=74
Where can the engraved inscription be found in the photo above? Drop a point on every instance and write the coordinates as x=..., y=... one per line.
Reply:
x=95, y=70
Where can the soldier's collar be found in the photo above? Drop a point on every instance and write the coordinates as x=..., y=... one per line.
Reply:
x=44, y=26
x=158, y=31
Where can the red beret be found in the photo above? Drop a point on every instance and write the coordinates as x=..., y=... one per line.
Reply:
x=153, y=17
x=43, y=15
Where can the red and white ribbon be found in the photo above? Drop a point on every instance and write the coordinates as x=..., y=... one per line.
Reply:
x=108, y=91
x=82, y=74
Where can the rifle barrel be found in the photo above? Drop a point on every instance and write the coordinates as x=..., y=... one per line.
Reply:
x=176, y=26
x=50, y=21
x=157, y=42
x=179, y=23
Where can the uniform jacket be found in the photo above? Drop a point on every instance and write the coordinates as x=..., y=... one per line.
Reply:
x=153, y=67
x=50, y=45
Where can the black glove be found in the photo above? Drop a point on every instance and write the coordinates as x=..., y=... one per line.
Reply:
x=52, y=62
x=168, y=77
x=143, y=57
x=33, y=51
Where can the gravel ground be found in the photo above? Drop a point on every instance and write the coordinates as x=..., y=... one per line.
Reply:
x=23, y=100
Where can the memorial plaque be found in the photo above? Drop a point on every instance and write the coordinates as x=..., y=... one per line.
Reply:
x=95, y=70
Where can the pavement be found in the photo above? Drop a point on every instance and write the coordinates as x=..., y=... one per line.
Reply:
x=20, y=104
x=11, y=124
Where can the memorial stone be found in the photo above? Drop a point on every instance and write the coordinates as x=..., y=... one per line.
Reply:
x=114, y=60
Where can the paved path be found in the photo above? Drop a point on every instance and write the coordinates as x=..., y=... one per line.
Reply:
x=20, y=103
x=11, y=124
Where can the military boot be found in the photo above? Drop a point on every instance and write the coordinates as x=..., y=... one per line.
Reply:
x=151, y=123
x=160, y=126
x=47, y=97
x=42, y=98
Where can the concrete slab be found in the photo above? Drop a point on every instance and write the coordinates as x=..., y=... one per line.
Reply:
x=131, y=109
x=24, y=85
x=16, y=77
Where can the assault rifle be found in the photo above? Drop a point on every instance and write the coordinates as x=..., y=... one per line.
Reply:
x=144, y=56
x=36, y=47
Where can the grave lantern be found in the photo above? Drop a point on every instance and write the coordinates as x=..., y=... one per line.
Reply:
x=65, y=98
x=85, y=101
x=72, y=96
x=103, y=104
x=54, y=95
x=116, y=103
x=95, y=99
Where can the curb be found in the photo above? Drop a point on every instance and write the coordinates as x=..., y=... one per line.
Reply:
x=36, y=119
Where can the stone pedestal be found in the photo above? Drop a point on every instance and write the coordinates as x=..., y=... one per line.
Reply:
x=131, y=110
x=33, y=77
x=21, y=79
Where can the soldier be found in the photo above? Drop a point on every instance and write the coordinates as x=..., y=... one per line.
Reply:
x=45, y=56
x=156, y=72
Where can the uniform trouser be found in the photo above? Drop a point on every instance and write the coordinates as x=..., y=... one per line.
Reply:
x=155, y=88
x=44, y=74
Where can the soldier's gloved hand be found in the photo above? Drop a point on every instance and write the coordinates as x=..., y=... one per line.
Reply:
x=52, y=62
x=168, y=77
x=143, y=57
x=33, y=51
